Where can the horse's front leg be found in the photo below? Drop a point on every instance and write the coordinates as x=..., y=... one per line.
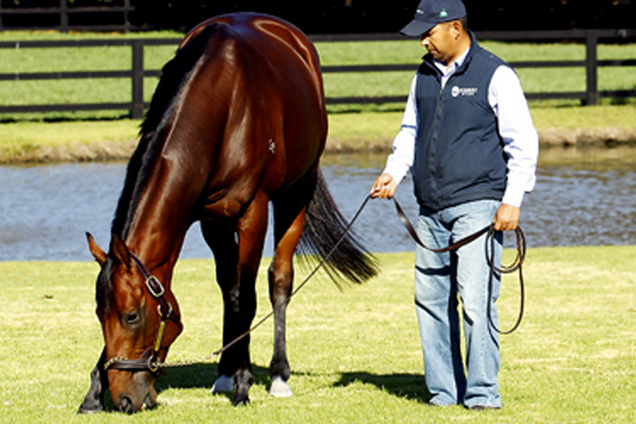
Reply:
x=281, y=274
x=94, y=400
x=237, y=252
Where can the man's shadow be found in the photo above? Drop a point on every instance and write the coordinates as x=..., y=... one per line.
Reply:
x=408, y=386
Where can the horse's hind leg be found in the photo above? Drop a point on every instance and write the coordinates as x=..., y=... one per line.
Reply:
x=288, y=228
x=237, y=251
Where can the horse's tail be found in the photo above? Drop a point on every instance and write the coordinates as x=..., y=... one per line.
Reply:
x=325, y=227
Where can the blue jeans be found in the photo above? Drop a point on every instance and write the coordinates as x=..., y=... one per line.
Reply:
x=440, y=278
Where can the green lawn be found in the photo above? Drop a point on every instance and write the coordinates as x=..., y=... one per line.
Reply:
x=369, y=131
x=354, y=353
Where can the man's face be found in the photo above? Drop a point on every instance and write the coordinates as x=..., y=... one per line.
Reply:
x=440, y=42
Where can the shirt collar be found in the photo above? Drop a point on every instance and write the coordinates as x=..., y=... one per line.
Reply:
x=454, y=66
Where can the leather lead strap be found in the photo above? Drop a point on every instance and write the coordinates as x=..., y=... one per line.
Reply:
x=490, y=244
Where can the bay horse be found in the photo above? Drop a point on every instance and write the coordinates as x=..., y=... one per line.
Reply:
x=237, y=121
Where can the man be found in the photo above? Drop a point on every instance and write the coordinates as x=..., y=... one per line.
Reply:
x=468, y=139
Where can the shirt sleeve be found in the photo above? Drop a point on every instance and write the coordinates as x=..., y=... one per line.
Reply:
x=401, y=159
x=521, y=141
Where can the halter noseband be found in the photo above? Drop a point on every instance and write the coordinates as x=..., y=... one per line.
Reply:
x=149, y=360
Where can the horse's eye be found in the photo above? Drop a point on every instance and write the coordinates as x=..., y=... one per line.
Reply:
x=131, y=318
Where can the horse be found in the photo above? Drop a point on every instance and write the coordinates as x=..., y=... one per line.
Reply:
x=237, y=121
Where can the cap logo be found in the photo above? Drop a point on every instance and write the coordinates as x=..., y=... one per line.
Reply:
x=443, y=13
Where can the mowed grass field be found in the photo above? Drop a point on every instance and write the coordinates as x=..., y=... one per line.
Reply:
x=354, y=353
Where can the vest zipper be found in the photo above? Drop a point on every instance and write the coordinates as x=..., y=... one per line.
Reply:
x=435, y=135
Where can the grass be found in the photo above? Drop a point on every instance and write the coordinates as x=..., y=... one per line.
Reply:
x=355, y=354
x=368, y=131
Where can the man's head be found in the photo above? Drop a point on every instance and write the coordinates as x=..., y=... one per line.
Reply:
x=430, y=13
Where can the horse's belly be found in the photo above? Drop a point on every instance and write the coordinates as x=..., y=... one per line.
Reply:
x=222, y=208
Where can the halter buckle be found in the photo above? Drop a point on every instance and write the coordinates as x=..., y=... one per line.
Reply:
x=155, y=287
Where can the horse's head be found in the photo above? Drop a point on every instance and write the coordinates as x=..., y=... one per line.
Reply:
x=140, y=320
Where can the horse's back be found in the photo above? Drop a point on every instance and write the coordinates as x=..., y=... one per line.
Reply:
x=264, y=29
x=277, y=89
x=273, y=49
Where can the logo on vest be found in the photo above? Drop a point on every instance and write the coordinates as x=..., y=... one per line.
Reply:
x=463, y=91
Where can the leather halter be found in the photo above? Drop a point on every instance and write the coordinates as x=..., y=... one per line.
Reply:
x=149, y=360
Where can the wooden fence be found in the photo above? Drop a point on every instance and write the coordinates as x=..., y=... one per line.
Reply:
x=62, y=17
x=137, y=73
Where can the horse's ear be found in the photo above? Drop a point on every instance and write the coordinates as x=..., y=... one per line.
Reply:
x=97, y=252
x=121, y=251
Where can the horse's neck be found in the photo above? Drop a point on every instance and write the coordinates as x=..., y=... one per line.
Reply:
x=160, y=220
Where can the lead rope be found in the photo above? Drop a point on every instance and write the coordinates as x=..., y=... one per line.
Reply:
x=504, y=269
x=301, y=285
x=516, y=265
x=489, y=230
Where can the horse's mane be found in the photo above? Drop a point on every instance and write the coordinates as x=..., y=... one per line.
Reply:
x=175, y=74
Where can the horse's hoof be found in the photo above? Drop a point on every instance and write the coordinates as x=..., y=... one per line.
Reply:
x=223, y=384
x=85, y=411
x=91, y=406
x=240, y=400
x=280, y=388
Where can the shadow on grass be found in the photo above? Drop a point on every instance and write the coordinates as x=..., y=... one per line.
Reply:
x=201, y=375
x=408, y=386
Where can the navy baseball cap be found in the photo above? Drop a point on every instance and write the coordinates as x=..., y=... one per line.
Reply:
x=432, y=12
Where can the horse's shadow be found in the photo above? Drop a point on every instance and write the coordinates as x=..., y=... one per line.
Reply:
x=408, y=386
x=202, y=375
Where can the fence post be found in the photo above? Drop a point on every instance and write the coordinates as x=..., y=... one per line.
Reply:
x=137, y=107
x=63, y=16
x=126, y=20
x=591, y=68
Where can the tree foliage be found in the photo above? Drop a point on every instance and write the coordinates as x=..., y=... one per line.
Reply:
x=364, y=16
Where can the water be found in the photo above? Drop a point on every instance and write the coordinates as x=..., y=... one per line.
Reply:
x=582, y=197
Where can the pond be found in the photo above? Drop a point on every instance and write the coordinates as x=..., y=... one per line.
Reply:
x=582, y=197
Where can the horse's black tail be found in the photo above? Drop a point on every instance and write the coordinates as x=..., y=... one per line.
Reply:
x=324, y=228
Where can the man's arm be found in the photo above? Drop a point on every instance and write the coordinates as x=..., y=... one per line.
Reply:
x=521, y=144
x=400, y=161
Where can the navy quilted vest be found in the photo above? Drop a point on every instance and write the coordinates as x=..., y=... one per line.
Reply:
x=459, y=154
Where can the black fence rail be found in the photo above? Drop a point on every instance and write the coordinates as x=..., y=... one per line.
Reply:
x=67, y=16
x=590, y=96
x=137, y=73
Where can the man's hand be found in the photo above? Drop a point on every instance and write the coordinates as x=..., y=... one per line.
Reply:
x=383, y=187
x=507, y=218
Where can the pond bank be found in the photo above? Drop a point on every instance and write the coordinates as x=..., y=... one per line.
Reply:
x=100, y=151
x=368, y=132
x=550, y=137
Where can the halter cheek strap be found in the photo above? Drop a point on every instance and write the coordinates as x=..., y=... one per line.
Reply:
x=149, y=361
